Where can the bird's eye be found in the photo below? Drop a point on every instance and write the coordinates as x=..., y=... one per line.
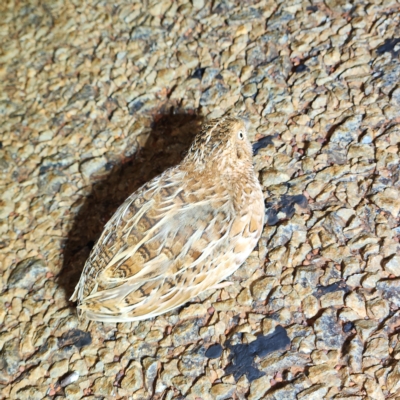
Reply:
x=240, y=135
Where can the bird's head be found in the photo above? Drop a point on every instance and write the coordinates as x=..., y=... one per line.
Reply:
x=222, y=141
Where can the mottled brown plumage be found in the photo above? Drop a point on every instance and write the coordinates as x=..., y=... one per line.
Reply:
x=178, y=235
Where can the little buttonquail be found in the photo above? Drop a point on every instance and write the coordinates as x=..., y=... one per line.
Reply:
x=178, y=235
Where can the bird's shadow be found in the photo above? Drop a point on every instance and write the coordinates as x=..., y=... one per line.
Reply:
x=169, y=139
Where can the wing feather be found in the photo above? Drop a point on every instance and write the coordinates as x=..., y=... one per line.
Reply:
x=155, y=252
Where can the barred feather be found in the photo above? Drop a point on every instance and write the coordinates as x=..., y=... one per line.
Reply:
x=178, y=235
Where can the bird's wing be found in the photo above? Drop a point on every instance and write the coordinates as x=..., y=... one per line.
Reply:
x=151, y=255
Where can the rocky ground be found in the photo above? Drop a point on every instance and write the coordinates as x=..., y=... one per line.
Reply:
x=97, y=97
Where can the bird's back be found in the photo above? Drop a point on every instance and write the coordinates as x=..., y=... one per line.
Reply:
x=178, y=235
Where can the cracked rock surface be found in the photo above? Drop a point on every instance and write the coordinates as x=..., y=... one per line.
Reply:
x=96, y=98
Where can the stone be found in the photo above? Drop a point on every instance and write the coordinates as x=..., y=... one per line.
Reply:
x=355, y=352
x=185, y=333
x=150, y=367
x=365, y=327
x=323, y=373
x=211, y=95
x=222, y=391
x=103, y=386
x=286, y=392
x=290, y=359
x=165, y=77
x=133, y=378
x=58, y=369
x=71, y=378
x=193, y=311
x=328, y=331
x=392, y=265
x=310, y=306
x=31, y=393
x=390, y=290
x=94, y=166
x=157, y=8
x=369, y=280
x=201, y=389
x=268, y=325
x=6, y=208
x=225, y=305
x=378, y=309
x=198, y=4
x=272, y=176
x=26, y=273
x=356, y=302
x=245, y=298
x=192, y=362
x=182, y=383
x=262, y=288
x=393, y=379
x=79, y=367
x=347, y=131
x=388, y=200
x=187, y=59
x=73, y=392
x=378, y=348
x=334, y=299
x=259, y=387
x=10, y=359
x=249, y=90
x=141, y=394
x=45, y=136
x=306, y=279
x=170, y=370
x=373, y=389
x=154, y=336
x=363, y=240
x=315, y=392
x=112, y=368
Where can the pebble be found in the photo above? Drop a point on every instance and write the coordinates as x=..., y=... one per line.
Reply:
x=193, y=311
x=222, y=391
x=6, y=208
x=259, y=387
x=328, y=332
x=73, y=377
x=315, y=392
x=10, y=357
x=73, y=392
x=201, y=388
x=133, y=378
x=93, y=166
x=249, y=90
x=58, y=369
x=262, y=288
x=393, y=379
x=25, y=273
x=103, y=387
x=388, y=200
x=356, y=302
x=274, y=177
x=185, y=333
x=392, y=266
x=390, y=290
x=378, y=309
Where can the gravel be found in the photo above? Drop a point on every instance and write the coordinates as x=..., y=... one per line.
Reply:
x=98, y=98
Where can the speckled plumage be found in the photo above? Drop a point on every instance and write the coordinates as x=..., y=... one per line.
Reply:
x=178, y=235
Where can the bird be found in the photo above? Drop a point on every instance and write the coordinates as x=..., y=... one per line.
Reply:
x=178, y=235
